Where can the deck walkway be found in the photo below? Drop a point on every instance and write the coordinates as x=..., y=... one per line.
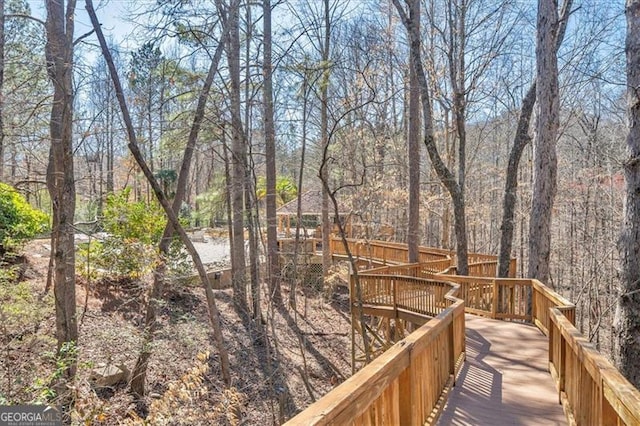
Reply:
x=511, y=369
x=505, y=381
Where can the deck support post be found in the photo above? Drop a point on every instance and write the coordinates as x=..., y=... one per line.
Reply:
x=353, y=321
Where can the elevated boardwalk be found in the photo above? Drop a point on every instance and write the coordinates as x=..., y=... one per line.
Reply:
x=499, y=385
x=432, y=347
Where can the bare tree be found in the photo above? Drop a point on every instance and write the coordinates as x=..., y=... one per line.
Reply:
x=544, y=147
x=60, y=175
x=214, y=315
x=627, y=317
x=520, y=141
x=444, y=174
x=238, y=159
x=139, y=373
x=270, y=154
x=325, y=49
x=413, y=146
x=2, y=43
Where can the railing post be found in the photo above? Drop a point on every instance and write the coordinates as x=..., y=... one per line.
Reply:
x=494, y=304
x=394, y=286
x=550, y=337
x=556, y=338
x=353, y=319
x=512, y=268
x=452, y=347
x=533, y=303
x=563, y=363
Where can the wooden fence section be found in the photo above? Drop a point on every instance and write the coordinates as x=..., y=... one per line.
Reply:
x=400, y=296
x=591, y=390
x=407, y=384
x=480, y=265
x=384, y=251
x=403, y=386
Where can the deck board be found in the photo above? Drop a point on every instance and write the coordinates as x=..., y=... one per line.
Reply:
x=505, y=380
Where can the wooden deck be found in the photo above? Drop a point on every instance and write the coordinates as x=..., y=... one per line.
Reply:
x=502, y=386
x=526, y=363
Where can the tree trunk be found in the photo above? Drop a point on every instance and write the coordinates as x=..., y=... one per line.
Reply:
x=456, y=57
x=303, y=149
x=139, y=373
x=273, y=267
x=544, y=147
x=251, y=207
x=413, y=228
x=520, y=141
x=111, y=117
x=627, y=316
x=214, y=315
x=60, y=174
x=238, y=160
x=444, y=174
x=324, y=136
x=227, y=192
x=254, y=256
x=2, y=41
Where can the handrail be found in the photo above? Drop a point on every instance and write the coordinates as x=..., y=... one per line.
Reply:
x=405, y=384
x=387, y=252
x=421, y=269
x=413, y=298
x=306, y=245
x=592, y=391
x=480, y=264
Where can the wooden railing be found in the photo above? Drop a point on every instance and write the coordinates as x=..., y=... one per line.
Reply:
x=407, y=383
x=384, y=251
x=398, y=296
x=305, y=245
x=423, y=270
x=481, y=265
x=591, y=390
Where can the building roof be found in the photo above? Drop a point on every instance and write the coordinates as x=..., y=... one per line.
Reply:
x=311, y=203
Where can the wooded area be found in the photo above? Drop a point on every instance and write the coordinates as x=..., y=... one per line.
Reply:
x=477, y=126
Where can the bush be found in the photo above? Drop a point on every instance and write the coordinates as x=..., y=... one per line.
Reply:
x=133, y=220
x=19, y=221
x=133, y=232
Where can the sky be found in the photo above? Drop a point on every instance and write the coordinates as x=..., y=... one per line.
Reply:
x=110, y=13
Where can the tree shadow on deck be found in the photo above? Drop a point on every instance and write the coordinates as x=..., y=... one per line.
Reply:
x=501, y=381
x=482, y=383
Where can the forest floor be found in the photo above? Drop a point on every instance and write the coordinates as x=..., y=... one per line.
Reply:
x=303, y=354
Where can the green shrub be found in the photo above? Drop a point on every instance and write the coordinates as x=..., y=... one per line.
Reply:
x=134, y=220
x=19, y=221
x=134, y=229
